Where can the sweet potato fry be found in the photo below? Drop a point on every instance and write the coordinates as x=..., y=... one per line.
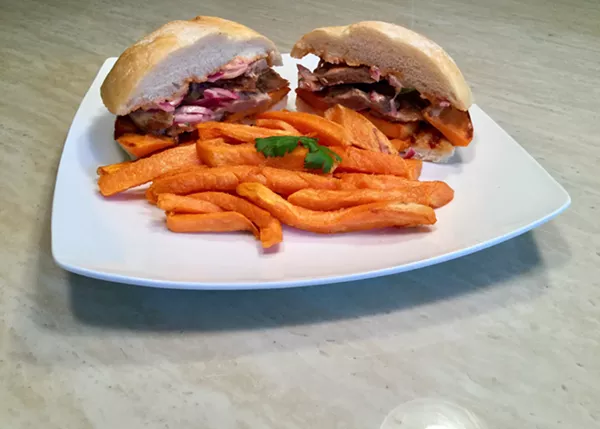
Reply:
x=210, y=222
x=269, y=227
x=237, y=133
x=364, y=134
x=393, y=130
x=146, y=169
x=375, y=181
x=415, y=167
x=202, y=179
x=368, y=216
x=400, y=145
x=329, y=133
x=364, y=161
x=454, y=124
x=180, y=204
x=432, y=194
x=226, y=179
x=209, y=133
x=111, y=168
x=276, y=124
x=179, y=170
x=216, y=153
x=152, y=198
x=287, y=182
x=219, y=154
x=143, y=145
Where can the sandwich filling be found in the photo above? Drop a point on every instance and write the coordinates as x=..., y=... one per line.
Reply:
x=363, y=88
x=428, y=126
x=239, y=86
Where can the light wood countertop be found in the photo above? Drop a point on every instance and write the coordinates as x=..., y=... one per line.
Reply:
x=512, y=333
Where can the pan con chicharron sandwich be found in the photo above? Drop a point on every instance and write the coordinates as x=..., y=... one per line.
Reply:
x=188, y=72
x=406, y=84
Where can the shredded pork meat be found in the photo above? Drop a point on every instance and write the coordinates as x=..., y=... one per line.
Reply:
x=238, y=86
x=363, y=88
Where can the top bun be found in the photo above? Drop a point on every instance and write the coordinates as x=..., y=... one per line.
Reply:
x=161, y=65
x=411, y=57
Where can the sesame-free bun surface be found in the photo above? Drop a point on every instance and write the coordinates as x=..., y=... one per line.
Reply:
x=415, y=60
x=162, y=64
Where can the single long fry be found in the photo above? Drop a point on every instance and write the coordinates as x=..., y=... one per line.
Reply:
x=216, y=153
x=329, y=133
x=269, y=227
x=146, y=169
x=364, y=161
x=432, y=194
x=179, y=170
x=454, y=124
x=375, y=181
x=180, y=204
x=226, y=179
x=235, y=132
x=111, y=168
x=287, y=182
x=368, y=216
x=393, y=130
x=202, y=179
x=152, y=197
x=276, y=124
x=210, y=222
x=364, y=134
x=219, y=154
x=140, y=145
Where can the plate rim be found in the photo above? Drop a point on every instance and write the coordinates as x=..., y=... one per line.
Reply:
x=186, y=285
x=281, y=284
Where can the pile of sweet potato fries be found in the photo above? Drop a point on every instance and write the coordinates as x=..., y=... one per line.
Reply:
x=329, y=174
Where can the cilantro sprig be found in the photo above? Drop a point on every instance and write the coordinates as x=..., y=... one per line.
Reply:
x=318, y=157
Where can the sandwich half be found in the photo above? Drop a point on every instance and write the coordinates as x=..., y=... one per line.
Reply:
x=188, y=72
x=406, y=84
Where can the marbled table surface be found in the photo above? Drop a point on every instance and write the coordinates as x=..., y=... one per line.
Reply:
x=511, y=333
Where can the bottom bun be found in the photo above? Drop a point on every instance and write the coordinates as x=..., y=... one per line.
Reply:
x=430, y=145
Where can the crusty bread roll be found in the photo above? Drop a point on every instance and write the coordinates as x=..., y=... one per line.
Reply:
x=161, y=65
x=422, y=148
x=414, y=59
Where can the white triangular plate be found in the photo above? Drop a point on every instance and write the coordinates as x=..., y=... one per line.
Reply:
x=500, y=192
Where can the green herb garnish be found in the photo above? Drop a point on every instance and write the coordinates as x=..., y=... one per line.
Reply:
x=318, y=157
x=277, y=146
